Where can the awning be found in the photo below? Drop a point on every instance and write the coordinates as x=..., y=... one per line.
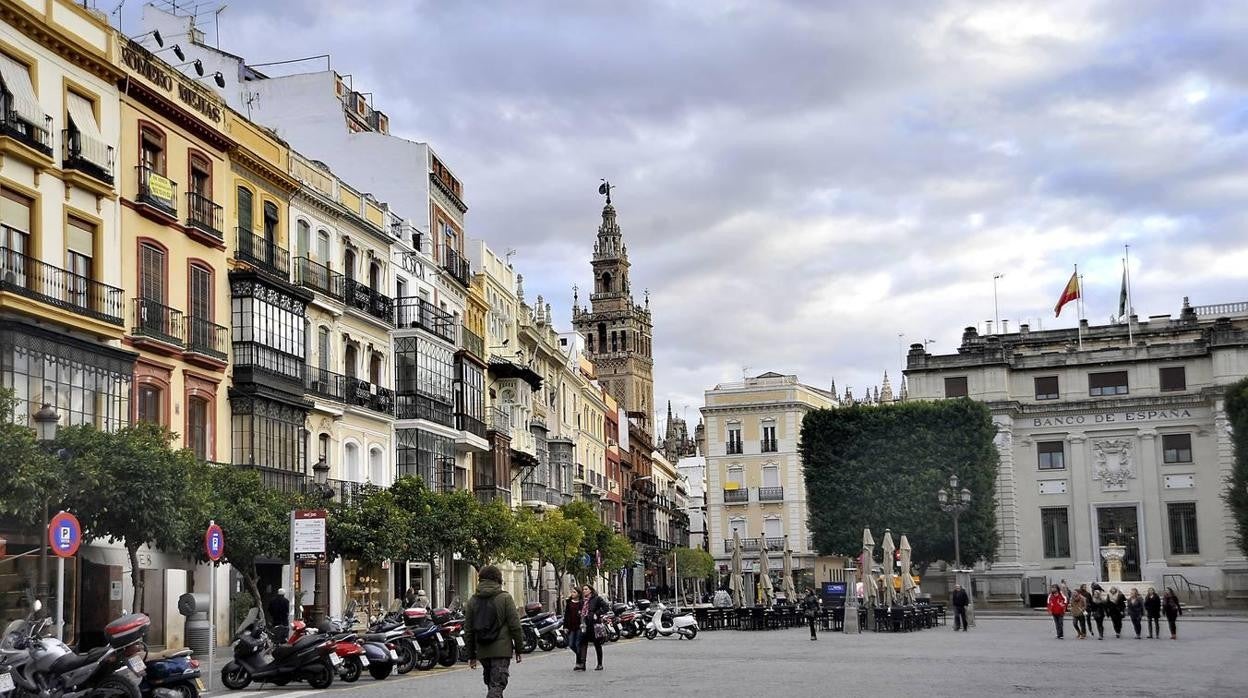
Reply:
x=502, y=368
x=16, y=79
x=91, y=144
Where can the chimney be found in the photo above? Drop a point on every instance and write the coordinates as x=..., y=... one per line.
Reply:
x=1024, y=330
x=987, y=327
x=1005, y=327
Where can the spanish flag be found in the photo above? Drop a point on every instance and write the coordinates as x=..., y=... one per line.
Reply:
x=1070, y=293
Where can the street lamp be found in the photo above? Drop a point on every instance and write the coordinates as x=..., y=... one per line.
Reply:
x=47, y=422
x=954, y=501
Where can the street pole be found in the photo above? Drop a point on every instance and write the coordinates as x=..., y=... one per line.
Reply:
x=957, y=543
x=212, y=618
x=60, y=597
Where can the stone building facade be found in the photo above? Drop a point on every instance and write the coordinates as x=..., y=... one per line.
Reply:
x=1106, y=435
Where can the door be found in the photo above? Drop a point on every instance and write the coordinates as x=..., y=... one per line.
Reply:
x=200, y=308
x=1119, y=525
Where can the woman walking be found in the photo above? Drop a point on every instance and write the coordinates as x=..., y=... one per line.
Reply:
x=572, y=624
x=1135, y=609
x=1057, y=608
x=1171, y=607
x=1078, y=613
x=1152, y=608
x=1115, y=607
x=593, y=608
x=1097, y=608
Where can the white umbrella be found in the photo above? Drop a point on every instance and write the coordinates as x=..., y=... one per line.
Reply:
x=790, y=590
x=768, y=592
x=737, y=583
x=886, y=559
x=865, y=573
x=907, y=579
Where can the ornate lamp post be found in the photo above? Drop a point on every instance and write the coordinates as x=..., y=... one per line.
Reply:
x=320, y=484
x=954, y=501
x=47, y=423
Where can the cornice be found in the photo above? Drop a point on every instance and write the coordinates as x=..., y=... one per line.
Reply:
x=269, y=171
x=445, y=191
x=35, y=26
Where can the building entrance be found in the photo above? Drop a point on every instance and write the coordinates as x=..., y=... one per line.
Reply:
x=1119, y=525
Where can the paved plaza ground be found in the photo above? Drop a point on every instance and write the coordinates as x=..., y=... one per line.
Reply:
x=1001, y=656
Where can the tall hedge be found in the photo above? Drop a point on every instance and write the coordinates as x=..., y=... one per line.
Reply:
x=881, y=466
x=1236, y=494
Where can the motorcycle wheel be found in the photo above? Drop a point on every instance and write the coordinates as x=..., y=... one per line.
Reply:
x=351, y=670
x=449, y=655
x=529, y=644
x=115, y=687
x=691, y=632
x=319, y=676
x=427, y=659
x=545, y=644
x=613, y=634
x=407, y=657
x=235, y=677
x=651, y=634
x=379, y=671
x=187, y=689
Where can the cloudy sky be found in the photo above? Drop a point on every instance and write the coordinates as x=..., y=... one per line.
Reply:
x=801, y=182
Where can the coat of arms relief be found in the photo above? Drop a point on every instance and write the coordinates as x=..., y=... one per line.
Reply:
x=1113, y=464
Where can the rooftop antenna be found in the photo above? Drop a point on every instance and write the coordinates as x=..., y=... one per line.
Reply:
x=511, y=251
x=216, y=25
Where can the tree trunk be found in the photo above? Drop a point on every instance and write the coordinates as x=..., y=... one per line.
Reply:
x=136, y=577
x=252, y=580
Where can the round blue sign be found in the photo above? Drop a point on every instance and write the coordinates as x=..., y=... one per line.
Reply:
x=214, y=542
x=64, y=534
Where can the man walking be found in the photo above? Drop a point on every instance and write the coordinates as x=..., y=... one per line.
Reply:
x=279, y=615
x=960, y=601
x=492, y=631
x=810, y=607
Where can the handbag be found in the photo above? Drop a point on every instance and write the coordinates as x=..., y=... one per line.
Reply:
x=600, y=631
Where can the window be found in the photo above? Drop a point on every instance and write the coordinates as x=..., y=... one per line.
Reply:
x=84, y=138
x=152, y=150
x=734, y=440
x=322, y=447
x=19, y=89
x=268, y=329
x=151, y=273
x=1051, y=455
x=376, y=467
x=201, y=176
x=351, y=462
x=1172, y=378
x=197, y=426
x=246, y=211
x=270, y=434
x=771, y=476
x=79, y=251
x=1183, y=540
x=374, y=276
x=769, y=438
x=322, y=348
x=1111, y=383
x=270, y=221
x=348, y=263
x=349, y=359
x=303, y=239
x=955, y=387
x=14, y=236
x=428, y=455
x=1176, y=448
x=374, y=369
x=149, y=403
x=202, y=327
x=773, y=528
x=322, y=247
x=1046, y=388
x=1055, y=523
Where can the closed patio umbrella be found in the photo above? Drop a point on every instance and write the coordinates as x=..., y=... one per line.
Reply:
x=865, y=574
x=767, y=591
x=907, y=579
x=790, y=590
x=736, y=581
x=886, y=559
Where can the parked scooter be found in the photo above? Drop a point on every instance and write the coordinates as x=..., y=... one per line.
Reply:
x=379, y=656
x=664, y=622
x=427, y=636
x=628, y=620
x=392, y=632
x=345, y=646
x=547, y=625
x=310, y=658
x=174, y=670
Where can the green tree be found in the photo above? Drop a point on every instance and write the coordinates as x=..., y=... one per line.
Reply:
x=618, y=553
x=1236, y=493
x=547, y=539
x=31, y=476
x=880, y=466
x=694, y=563
x=493, y=530
x=595, y=537
x=136, y=488
x=370, y=527
x=255, y=520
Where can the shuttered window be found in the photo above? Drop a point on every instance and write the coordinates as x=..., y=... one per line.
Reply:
x=151, y=273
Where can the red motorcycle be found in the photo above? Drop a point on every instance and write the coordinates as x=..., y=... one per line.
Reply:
x=346, y=646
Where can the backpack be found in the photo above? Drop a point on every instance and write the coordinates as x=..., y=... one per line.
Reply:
x=485, y=625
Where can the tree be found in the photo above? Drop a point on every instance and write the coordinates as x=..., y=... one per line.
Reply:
x=369, y=528
x=618, y=553
x=1236, y=494
x=31, y=475
x=880, y=467
x=135, y=488
x=548, y=539
x=493, y=529
x=694, y=563
x=595, y=537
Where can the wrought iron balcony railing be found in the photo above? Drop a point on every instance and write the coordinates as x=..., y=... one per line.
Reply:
x=771, y=494
x=499, y=421
x=768, y=446
x=413, y=311
x=204, y=214
x=264, y=254
x=325, y=383
x=58, y=287
x=207, y=338
x=472, y=342
x=366, y=300
x=25, y=122
x=470, y=424
x=733, y=448
x=458, y=267
x=774, y=544
x=318, y=277
x=418, y=406
x=533, y=492
x=86, y=155
x=155, y=320
x=748, y=545
x=157, y=190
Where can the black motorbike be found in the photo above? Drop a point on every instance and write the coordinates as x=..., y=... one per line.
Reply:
x=256, y=658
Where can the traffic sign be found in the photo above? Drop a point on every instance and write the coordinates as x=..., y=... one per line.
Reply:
x=214, y=541
x=65, y=534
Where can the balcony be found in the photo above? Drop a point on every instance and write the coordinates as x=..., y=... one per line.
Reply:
x=86, y=155
x=204, y=215
x=156, y=321
x=326, y=384
x=470, y=424
x=486, y=495
x=748, y=545
x=207, y=338
x=265, y=255
x=57, y=287
x=767, y=446
x=733, y=448
x=415, y=312
x=533, y=492
x=775, y=544
x=418, y=406
x=771, y=494
x=368, y=300
x=456, y=266
x=318, y=277
x=281, y=480
x=472, y=342
x=367, y=395
x=498, y=420
x=157, y=192
x=25, y=123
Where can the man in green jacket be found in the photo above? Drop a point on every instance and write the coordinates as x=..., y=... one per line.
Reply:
x=492, y=638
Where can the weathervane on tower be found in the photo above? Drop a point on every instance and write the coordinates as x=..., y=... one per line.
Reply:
x=605, y=189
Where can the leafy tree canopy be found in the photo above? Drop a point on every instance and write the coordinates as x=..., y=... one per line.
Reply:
x=881, y=466
x=369, y=527
x=1236, y=494
x=694, y=563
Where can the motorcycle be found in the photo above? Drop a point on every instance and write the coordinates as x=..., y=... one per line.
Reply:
x=628, y=620
x=455, y=627
x=664, y=622
x=310, y=658
x=613, y=630
x=379, y=656
x=547, y=626
x=452, y=645
x=391, y=632
x=174, y=670
x=45, y=666
x=427, y=636
x=345, y=646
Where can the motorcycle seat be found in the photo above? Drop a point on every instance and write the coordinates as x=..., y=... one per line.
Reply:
x=69, y=662
x=543, y=616
x=374, y=637
x=172, y=653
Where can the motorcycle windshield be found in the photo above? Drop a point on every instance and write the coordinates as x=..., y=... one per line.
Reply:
x=252, y=618
x=13, y=634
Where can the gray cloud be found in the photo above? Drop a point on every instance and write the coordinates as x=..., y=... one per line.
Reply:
x=801, y=182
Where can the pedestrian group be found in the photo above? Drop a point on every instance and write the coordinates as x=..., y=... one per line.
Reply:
x=1088, y=610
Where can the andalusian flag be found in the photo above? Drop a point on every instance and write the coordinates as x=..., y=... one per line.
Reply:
x=1070, y=293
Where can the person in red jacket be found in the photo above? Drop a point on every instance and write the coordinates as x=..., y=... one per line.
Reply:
x=1057, y=608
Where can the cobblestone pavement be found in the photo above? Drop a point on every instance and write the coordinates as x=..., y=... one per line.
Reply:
x=1006, y=656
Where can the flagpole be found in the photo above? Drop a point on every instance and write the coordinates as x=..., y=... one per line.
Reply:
x=1126, y=261
x=1079, y=307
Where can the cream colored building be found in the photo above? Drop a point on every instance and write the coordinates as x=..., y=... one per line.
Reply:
x=754, y=479
x=1108, y=438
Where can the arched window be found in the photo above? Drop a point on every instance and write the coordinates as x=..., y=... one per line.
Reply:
x=322, y=447
x=374, y=369
x=606, y=282
x=348, y=263
x=350, y=359
x=374, y=276
x=244, y=204
x=303, y=239
x=270, y=221
x=376, y=467
x=322, y=348
x=322, y=247
x=351, y=462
